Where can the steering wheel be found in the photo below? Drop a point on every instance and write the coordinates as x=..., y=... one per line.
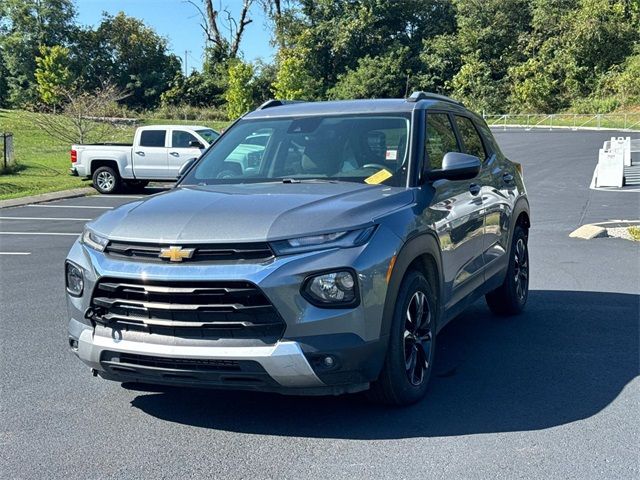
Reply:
x=374, y=165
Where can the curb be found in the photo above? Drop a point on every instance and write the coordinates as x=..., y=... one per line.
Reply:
x=599, y=230
x=46, y=197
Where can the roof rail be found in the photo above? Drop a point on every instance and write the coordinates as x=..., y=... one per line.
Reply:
x=417, y=96
x=277, y=103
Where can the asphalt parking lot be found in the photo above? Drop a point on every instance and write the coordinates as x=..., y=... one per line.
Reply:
x=552, y=393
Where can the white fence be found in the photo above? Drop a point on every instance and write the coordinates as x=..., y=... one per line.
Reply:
x=614, y=121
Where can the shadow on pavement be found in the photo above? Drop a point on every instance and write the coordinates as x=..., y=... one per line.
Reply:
x=566, y=358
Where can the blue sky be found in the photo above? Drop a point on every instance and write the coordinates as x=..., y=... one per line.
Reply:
x=179, y=22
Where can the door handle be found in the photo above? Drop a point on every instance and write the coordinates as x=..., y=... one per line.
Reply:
x=508, y=178
x=140, y=152
x=474, y=188
x=175, y=154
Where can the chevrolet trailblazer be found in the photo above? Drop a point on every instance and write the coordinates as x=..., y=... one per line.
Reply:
x=323, y=261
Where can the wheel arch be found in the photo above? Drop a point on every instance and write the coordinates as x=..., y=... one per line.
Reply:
x=420, y=253
x=100, y=162
x=522, y=217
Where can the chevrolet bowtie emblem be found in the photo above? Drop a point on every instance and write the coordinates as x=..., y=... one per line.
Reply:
x=176, y=254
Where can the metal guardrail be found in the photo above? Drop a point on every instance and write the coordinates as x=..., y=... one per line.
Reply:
x=618, y=121
x=7, y=149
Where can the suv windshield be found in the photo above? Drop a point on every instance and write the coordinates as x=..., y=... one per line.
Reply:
x=371, y=148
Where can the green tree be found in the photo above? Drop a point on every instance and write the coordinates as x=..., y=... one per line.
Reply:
x=488, y=37
x=239, y=94
x=52, y=74
x=128, y=53
x=386, y=76
x=325, y=39
x=26, y=26
x=293, y=78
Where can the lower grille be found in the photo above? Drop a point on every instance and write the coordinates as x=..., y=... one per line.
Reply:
x=243, y=374
x=187, y=309
x=182, y=364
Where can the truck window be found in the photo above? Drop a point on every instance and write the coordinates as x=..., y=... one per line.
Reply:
x=152, y=138
x=181, y=139
x=470, y=137
x=440, y=139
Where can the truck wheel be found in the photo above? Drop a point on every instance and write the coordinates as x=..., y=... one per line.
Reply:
x=106, y=180
x=409, y=361
x=511, y=297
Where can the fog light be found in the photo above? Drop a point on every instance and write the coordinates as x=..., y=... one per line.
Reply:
x=329, y=362
x=334, y=289
x=74, y=279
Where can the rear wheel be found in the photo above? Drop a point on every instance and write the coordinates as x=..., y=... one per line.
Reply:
x=106, y=180
x=410, y=354
x=511, y=297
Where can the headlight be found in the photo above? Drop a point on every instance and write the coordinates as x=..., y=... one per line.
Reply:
x=93, y=240
x=341, y=239
x=337, y=289
x=74, y=279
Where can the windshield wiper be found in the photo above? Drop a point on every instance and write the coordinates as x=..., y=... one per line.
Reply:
x=310, y=180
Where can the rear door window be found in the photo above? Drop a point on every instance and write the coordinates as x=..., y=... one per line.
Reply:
x=440, y=139
x=470, y=138
x=152, y=138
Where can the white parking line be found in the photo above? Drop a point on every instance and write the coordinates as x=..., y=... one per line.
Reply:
x=47, y=218
x=15, y=253
x=69, y=206
x=38, y=233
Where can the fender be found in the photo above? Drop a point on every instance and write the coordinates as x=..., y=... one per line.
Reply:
x=425, y=243
x=522, y=205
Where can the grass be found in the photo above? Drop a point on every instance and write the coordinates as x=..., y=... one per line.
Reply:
x=635, y=233
x=42, y=162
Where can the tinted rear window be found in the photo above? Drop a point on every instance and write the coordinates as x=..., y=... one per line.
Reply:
x=152, y=138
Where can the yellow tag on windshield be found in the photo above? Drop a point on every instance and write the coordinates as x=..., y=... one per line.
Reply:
x=378, y=177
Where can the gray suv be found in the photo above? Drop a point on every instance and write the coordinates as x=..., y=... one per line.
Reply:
x=314, y=248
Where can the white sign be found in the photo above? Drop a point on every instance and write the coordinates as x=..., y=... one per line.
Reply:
x=625, y=145
x=610, y=168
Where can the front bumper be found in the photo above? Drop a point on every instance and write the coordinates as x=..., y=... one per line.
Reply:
x=292, y=364
x=283, y=362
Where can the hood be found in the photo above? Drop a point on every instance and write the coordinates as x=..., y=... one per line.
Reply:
x=250, y=212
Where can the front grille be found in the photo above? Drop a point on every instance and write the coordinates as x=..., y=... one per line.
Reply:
x=217, y=252
x=211, y=310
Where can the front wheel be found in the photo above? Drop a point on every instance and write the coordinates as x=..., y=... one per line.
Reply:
x=106, y=180
x=409, y=361
x=511, y=297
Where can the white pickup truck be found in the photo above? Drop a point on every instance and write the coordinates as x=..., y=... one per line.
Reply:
x=157, y=153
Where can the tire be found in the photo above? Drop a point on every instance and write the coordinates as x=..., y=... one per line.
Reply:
x=398, y=383
x=137, y=185
x=511, y=297
x=106, y=180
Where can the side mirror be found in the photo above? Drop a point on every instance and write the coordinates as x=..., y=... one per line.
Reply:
x=185, y=167
x=196, y=144
x=456, y=166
